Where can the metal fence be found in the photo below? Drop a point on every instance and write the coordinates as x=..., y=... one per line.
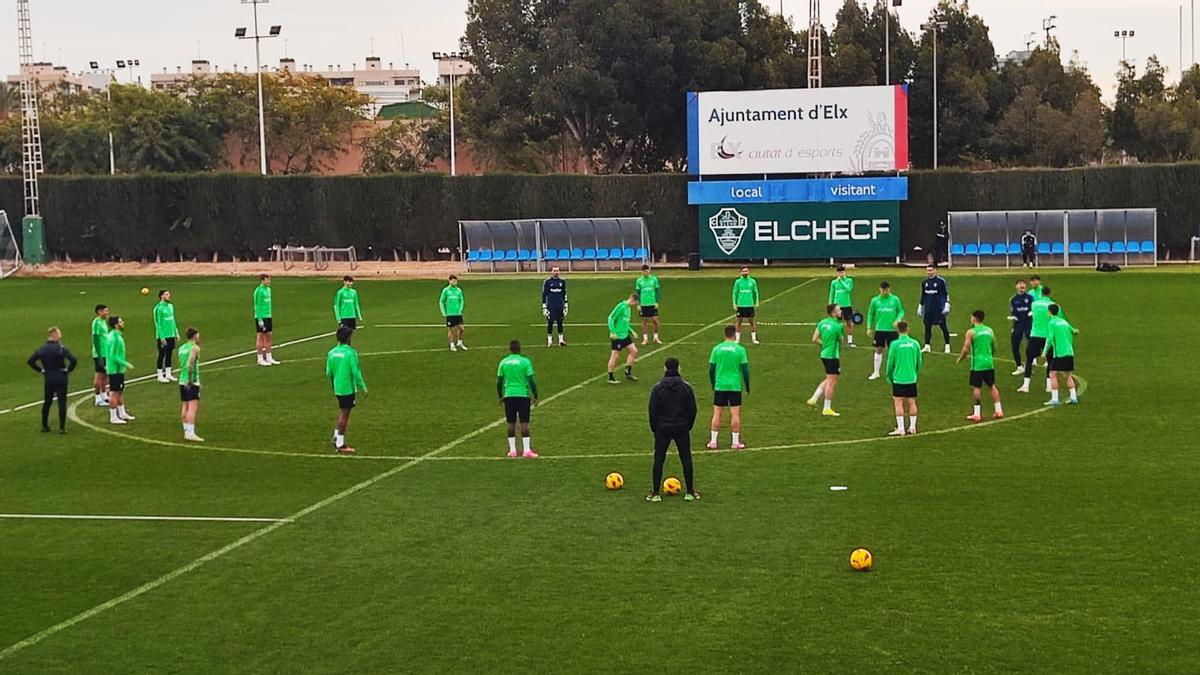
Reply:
x=1064, y=238
x=574, y=243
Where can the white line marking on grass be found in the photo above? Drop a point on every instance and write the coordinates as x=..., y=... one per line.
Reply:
x=358, y=487
x=438, y=325
x=189, y=519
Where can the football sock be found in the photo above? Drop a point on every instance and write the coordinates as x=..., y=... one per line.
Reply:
x=628, y=370
x=977, y=411
x=112, y=415
x=999, y=409
x=189, y=429
x=611, y=376
x=849, y=339
x=737, y=337
x=912, y=424
x=713, y=436
x=1054, y=395
x=878, y=362
x=829, y=404
x=656, y=336
x=1025, y=384
x=121, y=410
x=525, y=444
x=512, y=443
x=1073, y=397
x=549, y=340
x=754, y=335
x=900, y=423
x=562, y=338
x=820, y=390
x=338, y=439
x=737, y=437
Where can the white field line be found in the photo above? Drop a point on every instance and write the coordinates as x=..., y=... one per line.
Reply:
x=143, y=378
x=228, y=548
x=438, y=325
x=186, y=519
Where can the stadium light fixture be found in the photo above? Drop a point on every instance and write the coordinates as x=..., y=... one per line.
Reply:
x=239, y=32
x=456, y=59
x=242, y=33
x=935, y=27
x=1123, y=35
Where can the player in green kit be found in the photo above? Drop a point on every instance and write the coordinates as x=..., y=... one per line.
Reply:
x=1035, y=287
x=99, y=347
x=649, y=291
x=343, y=372
x=980, y=344
x=517, y=388
x=729, y=374
x=1038, y=333
x=841, y=294
x=451, y=303
x=883, y=313
x=621, y=334
x=745, y=301
x=189, y=384
x=903, y=368
x=263, y=322
x=829, y=334
x=165, y=335
x=115, y=366
x=1061, y=343
x=346, y=310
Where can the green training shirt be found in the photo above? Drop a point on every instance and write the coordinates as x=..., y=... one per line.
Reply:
x=831, y=331
x=1036, y=292
x=452, y=302
x=99, y=337
x=1040, y=309
x=983, y=348
x=342, y=369
x=840, y=291
x=648, y=289
x=904, y=361
x=728, y=358
x=618, y=320
x=188, y=375
x=1062, y=337
x=164, y=321
x=345, y=304
x=517, y=371
x=262, y=302
x=745, y=292
x=884, y=312
x=114, y=358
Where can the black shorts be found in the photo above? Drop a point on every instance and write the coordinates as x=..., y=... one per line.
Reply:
x=904, y=390
x=1063, y=364
x=649, y=311
x=99, y=363
x=832, y=366
x=516, y=408
x=983, y=378
x=188, y=393
x=455, y=320
x=885, y=338
x=263, y=325
x=848, y=314
x=350, y=323
x=1035, y=347
x=116, y=382
x=618, y=345
x=727, y=399
x=745, y=312
x=555, y=314
x=346, y=402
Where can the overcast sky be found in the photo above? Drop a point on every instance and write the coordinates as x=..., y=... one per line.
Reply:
x=322, y=32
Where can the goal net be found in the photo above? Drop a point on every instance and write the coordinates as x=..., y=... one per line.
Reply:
x=10, y=253
x=319, y=256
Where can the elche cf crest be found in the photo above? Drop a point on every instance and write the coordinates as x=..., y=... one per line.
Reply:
x=728, y=226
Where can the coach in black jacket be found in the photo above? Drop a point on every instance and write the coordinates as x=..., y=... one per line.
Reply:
x=672, y=415
x=54, y=359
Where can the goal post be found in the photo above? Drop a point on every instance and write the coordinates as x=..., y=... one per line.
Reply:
x=319, y=256
x=10, y=251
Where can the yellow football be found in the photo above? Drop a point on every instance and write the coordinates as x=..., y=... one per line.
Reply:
x=671, y=486
x=614, y=481
x=145, y=291
x=861, y=560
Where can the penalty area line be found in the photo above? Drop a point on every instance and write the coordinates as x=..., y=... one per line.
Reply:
x=178, y=519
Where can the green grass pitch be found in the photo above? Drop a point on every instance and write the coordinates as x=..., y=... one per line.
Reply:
x=1056, y=540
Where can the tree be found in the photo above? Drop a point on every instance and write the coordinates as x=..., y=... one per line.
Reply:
x=10, y=100
x=400, y=147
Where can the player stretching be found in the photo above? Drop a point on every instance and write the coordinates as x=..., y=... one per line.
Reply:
x=189, y=384
x=1039, y=330
x=621, y=333
x=452, y=303
x=840, y=294
x=116, y=365
x=517, y=388
x=729, y=374
x=935, y=305
x=980, y=343
x=903, y=367
x=165, y=335
x=262, y=321
x=885, y=310
x=346, y=310
x=554, y=306
x=344, y=373
x=1020, y=309
x=829, y=334
x=1061, y=344
x=745, y=300
x=99, y=348
x=649, y=291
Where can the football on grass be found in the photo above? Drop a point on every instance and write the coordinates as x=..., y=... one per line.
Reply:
x=614, y=481
x=671, y=486
x=861, y=560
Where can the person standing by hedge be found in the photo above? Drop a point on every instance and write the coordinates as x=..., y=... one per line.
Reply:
x=346, y=309
x=262, y=321
x=451, y=304
x=99, y=348
x=166, y=332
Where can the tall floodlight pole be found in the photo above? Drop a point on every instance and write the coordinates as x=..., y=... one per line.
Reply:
x=1123, y=35
x=887, y=44
x=1047, y=26
x=814, y=44
x=455, y=60
x=240, y=34
x=33, y=238
x=934, y=27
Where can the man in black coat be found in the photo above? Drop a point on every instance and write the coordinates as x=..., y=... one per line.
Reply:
x=672, y=415
x=55, y=362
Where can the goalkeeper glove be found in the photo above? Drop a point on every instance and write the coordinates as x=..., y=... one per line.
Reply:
x=545, y=311
x=921, y=310
x=946, y=308
x=566, y=308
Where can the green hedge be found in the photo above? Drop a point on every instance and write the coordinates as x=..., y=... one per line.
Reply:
x=199, y=215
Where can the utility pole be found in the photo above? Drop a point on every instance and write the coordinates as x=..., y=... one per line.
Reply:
x=814, y=44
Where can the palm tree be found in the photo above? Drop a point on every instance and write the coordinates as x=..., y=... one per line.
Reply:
x=10, y=100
